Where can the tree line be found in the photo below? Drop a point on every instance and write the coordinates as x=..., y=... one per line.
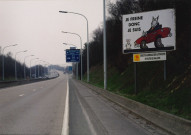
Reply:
x=9, y=69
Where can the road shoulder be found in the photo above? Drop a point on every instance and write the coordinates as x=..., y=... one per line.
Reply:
x=101, y=111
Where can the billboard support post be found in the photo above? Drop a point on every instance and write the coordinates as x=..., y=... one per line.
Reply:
x=165, y=70
x=77, y=71
x=104, y=47
x=135, y=77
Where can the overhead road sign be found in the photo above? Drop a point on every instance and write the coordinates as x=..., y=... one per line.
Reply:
x=72, y=47
x=72, y=55
x=149, y=31
x=145, y=57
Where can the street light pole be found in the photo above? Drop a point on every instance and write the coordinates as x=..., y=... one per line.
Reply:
x=44, y=67
x=30, y=66
x=47, y=66
x=16, y=63
x=3, y=74
x=81, y=48
x=104, y=47
x=87, y=39
x=38, y=73
x=25, y=65
x=35, y=69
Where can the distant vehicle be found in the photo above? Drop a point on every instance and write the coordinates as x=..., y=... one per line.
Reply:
x=153, y=36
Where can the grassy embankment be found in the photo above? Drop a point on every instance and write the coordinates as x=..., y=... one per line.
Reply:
x=172, y=96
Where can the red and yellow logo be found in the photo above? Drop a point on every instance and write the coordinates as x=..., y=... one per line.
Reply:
x=136, y=57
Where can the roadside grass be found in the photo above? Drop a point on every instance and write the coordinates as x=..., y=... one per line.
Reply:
x=172, y=96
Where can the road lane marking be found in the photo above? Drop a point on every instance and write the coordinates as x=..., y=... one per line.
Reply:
x=91, y=127
x=65, y=127
x=21, y=95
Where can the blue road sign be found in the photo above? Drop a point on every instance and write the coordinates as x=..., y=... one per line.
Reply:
x=70, y=68
x=72, y=55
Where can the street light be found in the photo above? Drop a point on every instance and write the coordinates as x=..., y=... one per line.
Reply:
x=81, y=47
x=3, y=59
x=104, y=47
x=45, y=69
x=25, y=64
x=42, y=68
x=16, y=63
x=35, y=69
x=47, y=63
x=87, y=39
x=30, y=65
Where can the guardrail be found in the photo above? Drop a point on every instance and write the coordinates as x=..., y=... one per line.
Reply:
x=4, y=84
x=170, y=123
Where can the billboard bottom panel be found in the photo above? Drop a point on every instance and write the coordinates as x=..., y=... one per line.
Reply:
x=169, y=48
x=146, y=57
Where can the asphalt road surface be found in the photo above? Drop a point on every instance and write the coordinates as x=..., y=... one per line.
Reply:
x=36, y=108
x=64, y=106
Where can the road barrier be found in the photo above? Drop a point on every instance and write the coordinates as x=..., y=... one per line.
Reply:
x=168, y=122
x=4, y=84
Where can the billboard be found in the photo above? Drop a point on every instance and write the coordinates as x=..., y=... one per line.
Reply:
x=149, y=31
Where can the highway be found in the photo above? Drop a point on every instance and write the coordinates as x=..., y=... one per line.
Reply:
x=63, y=106
x=36, y=108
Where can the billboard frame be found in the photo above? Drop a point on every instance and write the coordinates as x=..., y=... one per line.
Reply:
x=154, y=49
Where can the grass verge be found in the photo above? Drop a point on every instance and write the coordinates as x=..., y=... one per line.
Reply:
x=172, y=96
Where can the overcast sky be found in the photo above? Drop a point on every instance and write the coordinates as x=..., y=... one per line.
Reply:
x=36, y=26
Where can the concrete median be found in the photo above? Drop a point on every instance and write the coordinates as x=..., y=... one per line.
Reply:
x=4, y=84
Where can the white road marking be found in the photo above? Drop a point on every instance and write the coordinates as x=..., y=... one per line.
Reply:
x=65, y=127
x=21, y=95
x=93, y=132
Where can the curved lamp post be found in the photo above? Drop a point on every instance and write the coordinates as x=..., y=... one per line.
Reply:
x=37, y=65
x=30, y=66
x=87, y=39
x=3, y=74
x=42, y=68
x=81, y=48
x=47, y=63
x=25, y=64
x=45, y=69
x=16, y=63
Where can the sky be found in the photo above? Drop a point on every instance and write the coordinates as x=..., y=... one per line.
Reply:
x=36, y=25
